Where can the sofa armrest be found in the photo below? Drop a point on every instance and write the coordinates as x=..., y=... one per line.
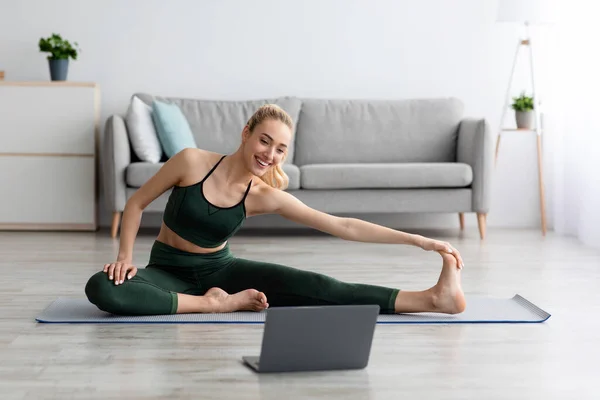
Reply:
x=475, y=147
x=116, y=158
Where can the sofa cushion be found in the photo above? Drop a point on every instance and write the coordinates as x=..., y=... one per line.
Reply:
x=377, y=131
x=172, y=127
x=217, y=124
x=142, y=131
x=138, y=173
x=372, y=176
x=293, y=173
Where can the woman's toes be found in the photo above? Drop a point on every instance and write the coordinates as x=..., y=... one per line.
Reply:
x=261, y=306
x=262, y=297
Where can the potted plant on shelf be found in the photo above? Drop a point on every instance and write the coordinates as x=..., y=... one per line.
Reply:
x=523, y=106
x=60, y=51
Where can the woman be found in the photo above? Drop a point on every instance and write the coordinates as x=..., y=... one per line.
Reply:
x=191, y=268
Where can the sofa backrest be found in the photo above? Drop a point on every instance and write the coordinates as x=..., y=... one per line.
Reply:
x=363, y=131
x=217, y=124
x=335, y=130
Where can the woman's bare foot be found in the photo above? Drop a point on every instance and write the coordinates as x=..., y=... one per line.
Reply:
x=447, y=294
x=246, y=300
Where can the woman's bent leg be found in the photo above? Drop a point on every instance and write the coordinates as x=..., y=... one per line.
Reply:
x=150, y=292
x=154, y=291
x=288, y=286
x=169, y=285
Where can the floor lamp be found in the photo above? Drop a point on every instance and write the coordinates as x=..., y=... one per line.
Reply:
x=526, y=12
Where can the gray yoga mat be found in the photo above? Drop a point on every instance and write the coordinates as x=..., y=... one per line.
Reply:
x=479, y=310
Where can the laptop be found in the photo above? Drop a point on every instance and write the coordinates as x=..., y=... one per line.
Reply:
x=315, y=338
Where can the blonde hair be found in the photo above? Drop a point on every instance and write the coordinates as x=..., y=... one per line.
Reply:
x=274, y=177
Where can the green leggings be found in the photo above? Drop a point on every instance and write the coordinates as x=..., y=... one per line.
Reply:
x=153, y=290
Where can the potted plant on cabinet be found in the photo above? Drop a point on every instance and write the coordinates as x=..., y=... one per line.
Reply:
x=60, y=51
x=523, y=106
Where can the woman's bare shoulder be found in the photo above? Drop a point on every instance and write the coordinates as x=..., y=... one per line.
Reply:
x=178, y=170
x=261, y=189
x=263, y=199
x=193, y=154
x=196, y=162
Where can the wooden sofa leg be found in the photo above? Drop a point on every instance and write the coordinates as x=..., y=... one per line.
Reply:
x=481, y=217
x=461, y=219
x=115, y=224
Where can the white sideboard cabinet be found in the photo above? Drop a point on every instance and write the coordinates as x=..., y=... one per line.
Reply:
x=49, y=155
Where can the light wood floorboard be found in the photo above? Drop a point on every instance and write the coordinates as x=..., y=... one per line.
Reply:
x=554, y=360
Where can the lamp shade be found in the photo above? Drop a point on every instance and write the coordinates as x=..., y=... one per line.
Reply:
x=527, y=11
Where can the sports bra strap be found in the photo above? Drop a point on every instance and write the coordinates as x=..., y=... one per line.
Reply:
x=247, y=191
x=213, y=168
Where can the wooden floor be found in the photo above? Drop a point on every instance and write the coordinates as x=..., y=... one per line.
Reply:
x=554, y=360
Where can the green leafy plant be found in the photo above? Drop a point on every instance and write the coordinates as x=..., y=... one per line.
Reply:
x=58, y=47
x=522, y=103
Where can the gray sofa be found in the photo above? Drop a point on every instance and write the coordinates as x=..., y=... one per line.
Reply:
x=348, y=156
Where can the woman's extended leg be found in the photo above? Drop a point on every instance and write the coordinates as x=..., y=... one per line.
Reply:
x=288, y=286
x=155, y=291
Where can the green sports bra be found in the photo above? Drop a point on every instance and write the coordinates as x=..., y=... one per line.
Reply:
x=190, y=215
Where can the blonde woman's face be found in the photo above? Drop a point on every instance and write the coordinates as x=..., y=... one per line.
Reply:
x=267, y=145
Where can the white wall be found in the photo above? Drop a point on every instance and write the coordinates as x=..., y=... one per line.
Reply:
x=235, y=49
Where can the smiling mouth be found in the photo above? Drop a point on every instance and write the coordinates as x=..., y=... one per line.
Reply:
x=261, y=163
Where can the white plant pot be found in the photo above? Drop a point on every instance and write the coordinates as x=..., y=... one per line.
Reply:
x=524, y=119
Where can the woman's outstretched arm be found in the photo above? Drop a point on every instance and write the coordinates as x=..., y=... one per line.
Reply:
x=283, y=203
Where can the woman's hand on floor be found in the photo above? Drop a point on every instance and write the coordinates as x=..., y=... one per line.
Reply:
x=118, y=270
x=442, y=247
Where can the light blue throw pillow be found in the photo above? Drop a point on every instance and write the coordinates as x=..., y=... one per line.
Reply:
x=172, y=127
